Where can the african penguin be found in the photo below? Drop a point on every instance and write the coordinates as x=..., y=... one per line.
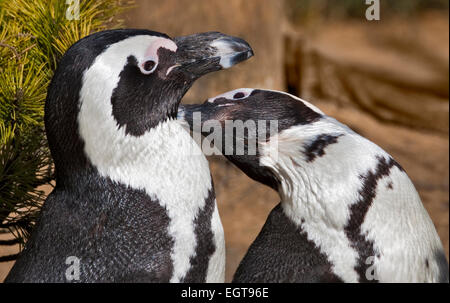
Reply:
x=132, y=201
x=348, y=211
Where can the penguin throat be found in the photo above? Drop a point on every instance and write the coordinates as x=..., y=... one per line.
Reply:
x=309, y=191
x=304, y=192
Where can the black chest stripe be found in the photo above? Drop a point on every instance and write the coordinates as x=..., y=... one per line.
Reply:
x=282, y=253
x=317, y=147
x=442, y=263
x=358, y=211
x=205, y=242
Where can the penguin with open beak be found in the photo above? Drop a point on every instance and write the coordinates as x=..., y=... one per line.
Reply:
x=348, y=211
x=134, y=200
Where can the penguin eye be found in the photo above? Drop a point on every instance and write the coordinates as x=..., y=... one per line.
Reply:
x=239, y=95
x=148, y=66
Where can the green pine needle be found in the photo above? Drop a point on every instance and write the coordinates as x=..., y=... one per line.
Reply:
x=34, y=34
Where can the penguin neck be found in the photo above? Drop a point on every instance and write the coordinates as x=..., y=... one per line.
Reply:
x=160, y=161
x=315, y=196
x=319, y=187
x=305, y=195
x=312, y=167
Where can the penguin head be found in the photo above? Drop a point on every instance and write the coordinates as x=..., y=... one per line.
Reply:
x=117, y=84
x=296, y=127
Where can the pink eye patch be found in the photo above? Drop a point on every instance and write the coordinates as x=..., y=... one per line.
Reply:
x=152, y=50
x=151, y=59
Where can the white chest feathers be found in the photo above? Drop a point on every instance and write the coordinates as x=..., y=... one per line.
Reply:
x=168, y=165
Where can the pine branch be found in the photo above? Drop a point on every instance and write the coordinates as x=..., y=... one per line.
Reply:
x=12, y=48
x=8, y=258
x=10, y=242
x=35, y=33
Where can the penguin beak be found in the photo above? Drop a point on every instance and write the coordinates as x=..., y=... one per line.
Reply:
x=199, y=54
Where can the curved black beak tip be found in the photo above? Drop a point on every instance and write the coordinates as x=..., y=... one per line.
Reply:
x=206, y=52
x=231, y=51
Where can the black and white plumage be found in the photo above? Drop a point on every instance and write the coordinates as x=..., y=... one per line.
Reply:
x=348, y=211
x=131, y=201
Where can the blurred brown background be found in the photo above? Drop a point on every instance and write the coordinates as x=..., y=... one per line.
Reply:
x=387, y=79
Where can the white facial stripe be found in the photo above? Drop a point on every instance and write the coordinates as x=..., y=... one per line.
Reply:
x=165, y=162
x=230, y=95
